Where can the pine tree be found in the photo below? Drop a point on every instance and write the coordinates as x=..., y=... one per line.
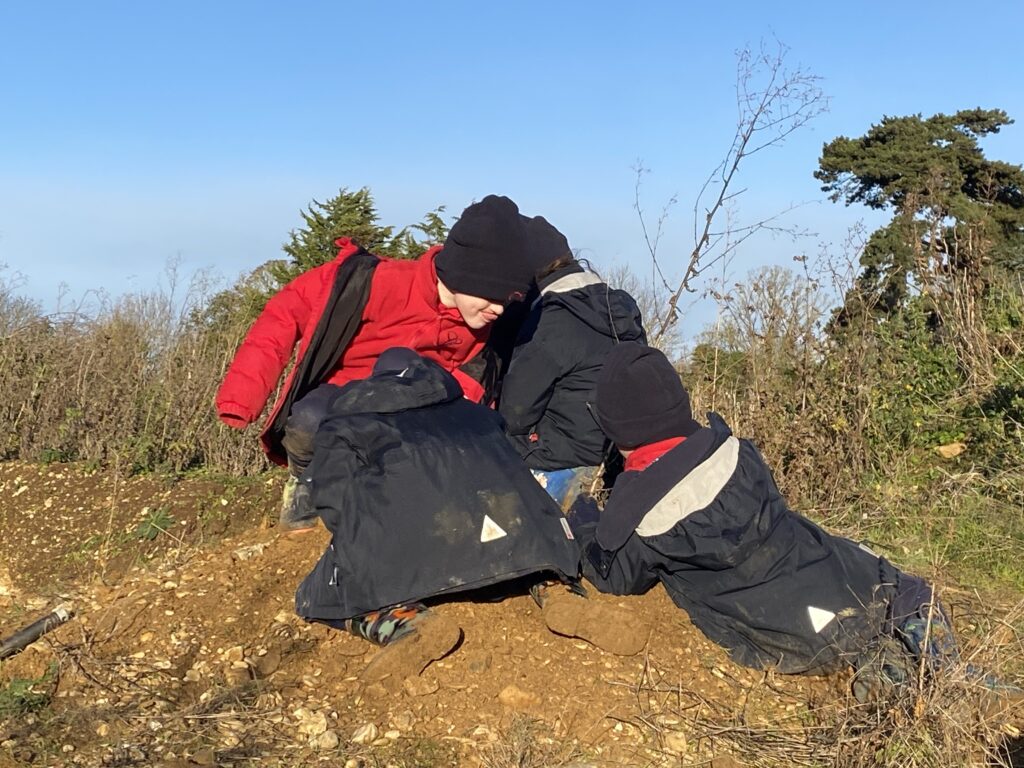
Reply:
x=347, y=214
x=353, y=214
x=957, y=214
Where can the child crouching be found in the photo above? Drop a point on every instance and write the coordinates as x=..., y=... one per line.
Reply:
x=425, y=498
x=698, y=510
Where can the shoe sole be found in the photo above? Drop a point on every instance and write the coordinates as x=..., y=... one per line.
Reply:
x=610, y=628
x=434, y=638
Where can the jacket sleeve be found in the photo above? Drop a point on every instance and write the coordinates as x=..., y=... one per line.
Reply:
x=624, y=572
x=530, y=382
x=266, y=350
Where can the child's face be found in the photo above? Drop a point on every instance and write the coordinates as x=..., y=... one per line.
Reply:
x=477, y=312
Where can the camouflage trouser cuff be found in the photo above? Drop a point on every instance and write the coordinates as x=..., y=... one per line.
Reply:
x=385, y=626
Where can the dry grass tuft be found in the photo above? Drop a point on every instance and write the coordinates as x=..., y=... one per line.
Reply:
x=949, y=719
x=524, y=744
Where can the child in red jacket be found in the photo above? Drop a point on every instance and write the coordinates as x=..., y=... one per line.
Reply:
x=343, y=314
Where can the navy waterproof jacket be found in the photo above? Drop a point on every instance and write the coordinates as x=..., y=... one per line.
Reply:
x=423, y=496
x=709, y=523
x=547, y=392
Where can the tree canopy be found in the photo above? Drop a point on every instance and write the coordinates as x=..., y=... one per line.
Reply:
x=353, y=214
x=954, y=209
x=347, y=214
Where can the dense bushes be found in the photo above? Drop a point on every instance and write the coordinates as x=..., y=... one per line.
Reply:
x=875, y=428
x=128, y=382
x=899, y=413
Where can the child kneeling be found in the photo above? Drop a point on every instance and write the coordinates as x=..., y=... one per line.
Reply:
x=698, y=510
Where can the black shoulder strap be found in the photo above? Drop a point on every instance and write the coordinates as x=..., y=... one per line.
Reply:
x=334, y=331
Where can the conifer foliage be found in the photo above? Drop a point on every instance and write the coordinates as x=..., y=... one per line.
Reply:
x=353, y=214
x=958, y=216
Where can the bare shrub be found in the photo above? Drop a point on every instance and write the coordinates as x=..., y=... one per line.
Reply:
x=766, y=366
x=16, y=312
x=128, y=382
x=773, y=100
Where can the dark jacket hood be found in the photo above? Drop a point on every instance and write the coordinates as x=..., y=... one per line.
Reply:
x=609, y=311
x=401, y=380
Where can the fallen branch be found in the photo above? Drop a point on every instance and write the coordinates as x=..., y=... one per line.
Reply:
x=23, y=638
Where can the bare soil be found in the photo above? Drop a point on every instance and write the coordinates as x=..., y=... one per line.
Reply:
x=185, y=651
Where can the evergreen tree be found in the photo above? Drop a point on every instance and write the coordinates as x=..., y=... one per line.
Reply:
x=938, y=302
x=958, y=217
x=347, y=214
x=353, y=214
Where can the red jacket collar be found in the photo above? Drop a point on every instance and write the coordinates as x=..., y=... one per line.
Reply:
x=426, y=273
x=641, y=458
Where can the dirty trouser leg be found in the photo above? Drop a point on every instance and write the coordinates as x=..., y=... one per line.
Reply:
x=302, y=424
x=918, y=620
x=924, y=628
x=916, y=628
x=297, y=512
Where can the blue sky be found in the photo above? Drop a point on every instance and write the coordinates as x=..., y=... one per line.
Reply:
x=134, y=133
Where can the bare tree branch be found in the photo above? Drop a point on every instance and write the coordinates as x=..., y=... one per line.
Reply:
x=652, y=244
x=772, y=102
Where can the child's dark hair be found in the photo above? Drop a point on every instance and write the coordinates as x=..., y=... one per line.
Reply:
x=568, y=260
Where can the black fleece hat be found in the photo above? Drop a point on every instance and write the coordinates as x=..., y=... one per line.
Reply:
x=547, y=244
x=485, y=254
x=640, y=398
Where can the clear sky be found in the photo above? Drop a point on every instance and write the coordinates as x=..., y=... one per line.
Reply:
x=134, y=133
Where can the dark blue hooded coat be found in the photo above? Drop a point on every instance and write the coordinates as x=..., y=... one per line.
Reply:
x=423, y=496
x=708, y=522
x=546, y=394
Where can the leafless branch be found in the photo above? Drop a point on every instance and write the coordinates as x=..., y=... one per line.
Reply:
x=772, y=102
x=652, y=243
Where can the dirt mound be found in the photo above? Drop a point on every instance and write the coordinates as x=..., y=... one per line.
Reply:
x=186, y=651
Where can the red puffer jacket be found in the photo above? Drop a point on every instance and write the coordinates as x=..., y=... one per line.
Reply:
x=403, y=310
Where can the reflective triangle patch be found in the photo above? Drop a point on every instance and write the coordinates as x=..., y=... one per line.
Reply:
x=820, y=618
x=491, y=530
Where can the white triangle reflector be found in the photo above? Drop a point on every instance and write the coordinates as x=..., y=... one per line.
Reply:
x=820, y=618
x=491, y=530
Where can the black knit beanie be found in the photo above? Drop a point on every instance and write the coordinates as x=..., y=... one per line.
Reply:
x=547, y=244
x=485, y=254
x=640, y=398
